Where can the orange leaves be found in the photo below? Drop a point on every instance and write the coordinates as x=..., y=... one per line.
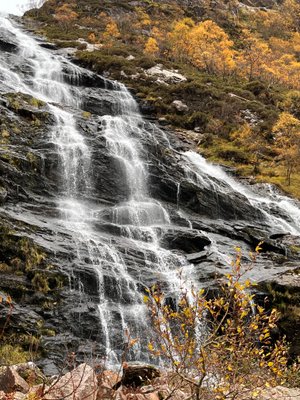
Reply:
x=287, y=141
x=65, y=14
x=220, y=338
x=151, y=47
x=92, y=37
x=7, y=300
x=206, y=45
x=211, y=49
x=111, y=33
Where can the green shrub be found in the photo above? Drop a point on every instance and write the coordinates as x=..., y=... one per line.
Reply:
x=11, y=355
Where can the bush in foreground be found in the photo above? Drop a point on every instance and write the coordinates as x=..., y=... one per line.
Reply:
x=232, y=355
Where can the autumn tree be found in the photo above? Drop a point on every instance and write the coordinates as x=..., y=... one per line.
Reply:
x=287, y=142
x=92, y=37
x=290, y=102
x=211, y=49
x=143, y=19
x=65, y=15
x=253, y=56
x=290, y=9
x=230, y=356
x=179, y=39
x=268, y=23
x=111, y=33
x=252, y=141
x=286, y=70
x=151, y=48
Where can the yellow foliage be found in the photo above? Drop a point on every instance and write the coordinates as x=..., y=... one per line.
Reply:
x=151, y=47
x=111, y=33
x=254, y=57
x=65, y=14
x=234, y=350
x=92, y=37
x=179, y=38
x=287, y=141
x=210, y=48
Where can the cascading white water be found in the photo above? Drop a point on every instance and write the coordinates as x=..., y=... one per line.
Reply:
x=138, y=217
x=203, y=173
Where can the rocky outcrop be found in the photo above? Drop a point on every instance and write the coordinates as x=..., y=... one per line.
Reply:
x=11, y=381
x=280, y=393
x=81, y=383
x=164, y=75
x=137, y=374
x=180, y=106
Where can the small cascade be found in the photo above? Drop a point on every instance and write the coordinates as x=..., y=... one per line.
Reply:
x=282, y=213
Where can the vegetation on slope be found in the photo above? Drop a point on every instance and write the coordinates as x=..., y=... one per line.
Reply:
x=241, y=63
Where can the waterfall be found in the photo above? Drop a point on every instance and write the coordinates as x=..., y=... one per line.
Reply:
x=121, y=304
x=280, y=211
x=120, y=240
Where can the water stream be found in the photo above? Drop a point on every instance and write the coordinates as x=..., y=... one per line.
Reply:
x=121, y=304
x=138, y=218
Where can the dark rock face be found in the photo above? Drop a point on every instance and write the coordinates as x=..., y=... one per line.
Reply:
x=136, y=375
x=189, y=241
x=7, y=42
x=50, y=275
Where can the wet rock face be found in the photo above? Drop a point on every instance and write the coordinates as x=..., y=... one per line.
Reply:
x=189, y=241
x=57, y=296
x=7, y=42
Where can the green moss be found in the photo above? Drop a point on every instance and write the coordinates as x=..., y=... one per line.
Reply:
x=40, y=282
x=33, y=256
x=86, y=114
x=102, y=62
x=32, y=158
x=48, y=332
x=11, y=355
x=295, y=249
x=36, y=102
x=5, y=133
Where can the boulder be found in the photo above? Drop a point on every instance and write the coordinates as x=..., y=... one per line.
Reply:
x=180, y=106
x=19, y=396
x=11, y=381
x=107, y=381
x=138, y=374
x=7, y=42
x=280, y=393
x=165, y=75
x=3, y=195
x=29, y=372
x=79, y=384
x=187, y=240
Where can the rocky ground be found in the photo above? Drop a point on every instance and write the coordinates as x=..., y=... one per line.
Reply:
x=133, y=382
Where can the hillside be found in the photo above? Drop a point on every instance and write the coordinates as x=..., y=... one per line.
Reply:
x=242, y=71
x=104, y=207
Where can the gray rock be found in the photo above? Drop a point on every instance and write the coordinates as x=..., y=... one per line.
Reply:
x=11, y=381
x=180, y=106
x=196, y=257
x=3, y=195
x=138, y=374
x=188, y=240
x=81, y=383
x=165, y=75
